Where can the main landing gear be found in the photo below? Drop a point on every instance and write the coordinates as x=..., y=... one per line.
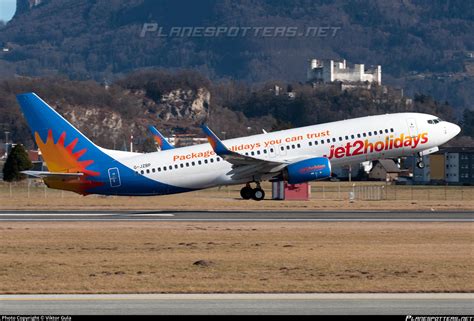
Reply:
x=256, y=194
x=419, y=162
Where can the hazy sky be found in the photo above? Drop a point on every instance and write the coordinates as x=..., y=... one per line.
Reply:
x=7, y=9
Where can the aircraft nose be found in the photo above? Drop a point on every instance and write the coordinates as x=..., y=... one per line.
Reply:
x=453, y=130
x=456, y=130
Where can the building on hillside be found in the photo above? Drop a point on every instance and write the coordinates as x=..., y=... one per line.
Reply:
x=328, y=71
x=180, y=140
x=451, y=165
x=384, y=170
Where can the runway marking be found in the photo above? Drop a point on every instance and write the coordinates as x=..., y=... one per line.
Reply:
x=238, y=296
x=57, y=214
x=233, y=220
x=82, y=214
x=157, y=215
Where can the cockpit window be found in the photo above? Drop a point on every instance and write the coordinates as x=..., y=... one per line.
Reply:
x=434, y=121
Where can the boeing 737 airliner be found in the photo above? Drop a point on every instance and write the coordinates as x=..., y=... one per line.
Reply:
x=296, y=155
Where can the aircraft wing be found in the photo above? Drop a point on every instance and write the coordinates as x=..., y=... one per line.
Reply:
x=41, y=174
x=243, y=165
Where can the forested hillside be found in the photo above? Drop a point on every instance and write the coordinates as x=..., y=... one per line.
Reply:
x=423, y=46
x=179, y=102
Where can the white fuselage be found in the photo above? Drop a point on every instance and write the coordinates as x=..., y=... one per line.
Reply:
x=343, y=142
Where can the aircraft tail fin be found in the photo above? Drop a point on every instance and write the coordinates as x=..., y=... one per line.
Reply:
x=64, y=148
x=160, y=139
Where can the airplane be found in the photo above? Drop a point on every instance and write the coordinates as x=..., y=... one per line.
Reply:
x=160, y=139
x=295, y=155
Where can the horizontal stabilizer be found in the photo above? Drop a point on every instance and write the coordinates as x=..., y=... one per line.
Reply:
x=41, y=174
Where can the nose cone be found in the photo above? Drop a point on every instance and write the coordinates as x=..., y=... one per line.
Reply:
x=454, y=129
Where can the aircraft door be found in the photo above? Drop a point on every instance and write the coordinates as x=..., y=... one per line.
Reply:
x=412, y=127
x=114, y=177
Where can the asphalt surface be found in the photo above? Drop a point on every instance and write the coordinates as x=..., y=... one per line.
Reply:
x=209, y=304
x=237, y=216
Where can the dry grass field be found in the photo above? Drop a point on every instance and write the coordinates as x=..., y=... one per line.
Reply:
x=324, y=196
x=159, y=257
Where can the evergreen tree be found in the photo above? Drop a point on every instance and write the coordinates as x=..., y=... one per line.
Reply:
x=468, y=123
x=17, y=161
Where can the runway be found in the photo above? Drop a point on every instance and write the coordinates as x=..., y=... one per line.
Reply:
x=209, y=304
x=235, y=216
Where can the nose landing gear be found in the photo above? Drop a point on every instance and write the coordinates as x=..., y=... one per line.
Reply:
x=419, y=162
x=257, y=194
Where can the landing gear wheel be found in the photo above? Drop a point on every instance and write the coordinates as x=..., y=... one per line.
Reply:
x=258, y=194
x=246, y=192
x=420, y=164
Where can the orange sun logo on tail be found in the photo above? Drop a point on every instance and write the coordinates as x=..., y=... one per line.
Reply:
x=62, y=159
x=158, y=140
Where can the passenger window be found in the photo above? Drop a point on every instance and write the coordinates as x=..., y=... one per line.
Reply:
x=212, y=160
x=142, y=172
x=153, y=170
x=171, y=167
x=218, y=159
x=148, y=171
x=205, y=161
x=334, y=140
x=380, y=132
x=164, y=168
x=329, y=141
x=391, y=129
x=252, y=153
x=375, y=133
x=322, y=141
x=282, y=148
x=358, y=135
x=310, y=144
x=298, y=145
x=347, y=137
x=352, y=136
x=187, y=164
x=199, y=162
x=159, y=169
x=182, y=165
x=340, y=139
x=386, y=131
x=193, y=163
x=370, y=133
x=364, y=134
x=316, y=142
x=293, y=146
x=176, y=166
x=271, y=150
x=258, y=153
x=265, y=151
x=288, y=147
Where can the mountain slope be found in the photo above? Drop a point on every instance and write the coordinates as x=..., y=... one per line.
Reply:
x=100, y=39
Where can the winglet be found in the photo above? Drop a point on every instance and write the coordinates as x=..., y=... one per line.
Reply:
x=160, y=139
x=215, y=142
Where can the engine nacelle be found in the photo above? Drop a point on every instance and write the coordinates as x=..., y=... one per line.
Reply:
x=308, y=170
